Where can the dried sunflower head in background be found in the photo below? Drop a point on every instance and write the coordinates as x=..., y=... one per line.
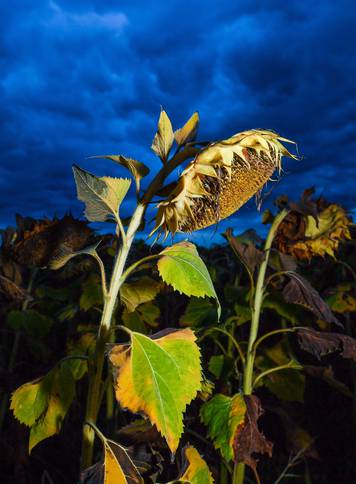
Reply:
x=220, y=179
x=38, y=242
x=312, y=228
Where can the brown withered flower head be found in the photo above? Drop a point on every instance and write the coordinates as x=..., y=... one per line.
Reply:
x=312, y=227
x=220, y=179
x=36, y=242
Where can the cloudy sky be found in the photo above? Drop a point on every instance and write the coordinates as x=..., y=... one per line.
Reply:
x=80, y=78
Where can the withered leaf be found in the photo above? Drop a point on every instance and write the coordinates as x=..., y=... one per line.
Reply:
x=281, y=262
x=320, y=343
x=248, y=254
x=300, y=291
x=117, y=467
x=249, y=439
x=327, y=375
x=140, y=431
x=12, y=290
x=45, y=238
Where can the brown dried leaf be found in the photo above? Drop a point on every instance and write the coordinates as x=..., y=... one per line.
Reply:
x=299, y=291
x=248, y=438
x=12, y=290
x=320, y=344
x=281, y=262
x=140, y=431
x=249, y=255
x=327, y=375
x=40, y=244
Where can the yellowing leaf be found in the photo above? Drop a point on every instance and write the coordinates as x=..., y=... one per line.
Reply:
x=159, y=376
x=223, y=415
x=136, y=168
x=133, y=294
x=117, y=467
x=102, y=196
x=189, y=130
x=29, y=401
x=163, y=140
x=43, y=404
x=342, y=300
x=197, y=472
x=181, y=266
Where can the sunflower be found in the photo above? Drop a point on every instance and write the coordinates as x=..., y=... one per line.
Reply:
x=220, y=179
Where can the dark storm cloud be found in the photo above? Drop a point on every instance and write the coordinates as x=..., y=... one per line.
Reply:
x=88, y=77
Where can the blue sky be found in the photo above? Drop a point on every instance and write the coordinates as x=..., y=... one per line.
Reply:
x=81, y=78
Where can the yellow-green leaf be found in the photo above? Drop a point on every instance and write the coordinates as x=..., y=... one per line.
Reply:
x=133, y=294
x=102, y=196
x=43, y=404
x=29, y=401
x=163, y=140
x=189, y=130
x=159, y=376
x=181, y=267
x=223, y=415
x=197, y=472
x=136, y=168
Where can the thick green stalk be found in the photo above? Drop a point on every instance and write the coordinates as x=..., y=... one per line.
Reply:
x=96, y=368
x=259, y=293
x=239, y=471
x=117, y=279
x=239, y=474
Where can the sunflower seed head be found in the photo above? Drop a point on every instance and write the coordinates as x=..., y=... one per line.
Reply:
x=220, y=179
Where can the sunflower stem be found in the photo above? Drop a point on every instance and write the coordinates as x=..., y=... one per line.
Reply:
x=239, y=470
x=95, y=380
x=96, y=365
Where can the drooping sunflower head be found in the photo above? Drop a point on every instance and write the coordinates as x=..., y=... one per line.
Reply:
x=220, y=179
x=312, y=228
